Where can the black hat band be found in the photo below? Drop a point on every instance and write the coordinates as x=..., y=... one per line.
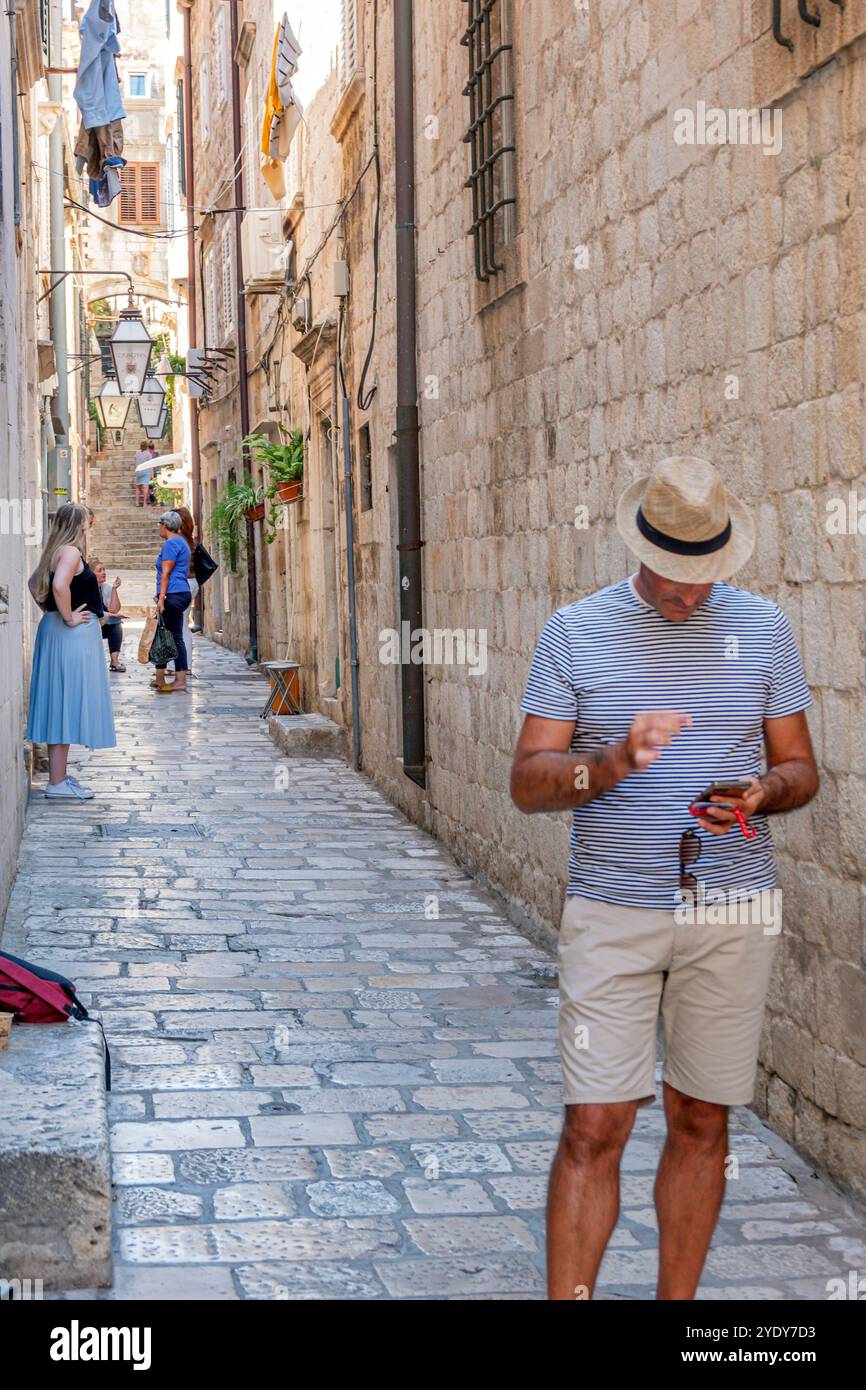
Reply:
x=678, y=547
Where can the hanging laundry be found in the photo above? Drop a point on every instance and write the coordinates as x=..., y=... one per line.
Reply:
x=99, y=146
x=283, y=111
x=97, y=86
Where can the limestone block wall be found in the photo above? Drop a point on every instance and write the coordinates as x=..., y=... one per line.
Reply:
x=20, y=496
x=661, y=297
x=662, y=294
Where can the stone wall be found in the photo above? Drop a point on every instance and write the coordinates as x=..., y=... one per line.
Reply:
x=21, y=502
x=659, y=297
x=718, y=309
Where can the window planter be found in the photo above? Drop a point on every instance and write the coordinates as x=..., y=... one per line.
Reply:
x=289, y=492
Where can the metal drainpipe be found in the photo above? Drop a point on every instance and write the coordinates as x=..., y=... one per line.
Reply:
x=59, y=465
x=192, y=299
x=16, y=152
x=407, y=431
x=241, y=317
x=349, y=504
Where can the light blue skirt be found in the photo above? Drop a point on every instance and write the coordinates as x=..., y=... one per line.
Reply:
x=70, y=697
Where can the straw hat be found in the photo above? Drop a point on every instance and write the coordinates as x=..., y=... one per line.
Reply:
x=684, y=524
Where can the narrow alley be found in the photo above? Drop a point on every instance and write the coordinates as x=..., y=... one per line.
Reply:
x=335, y=1060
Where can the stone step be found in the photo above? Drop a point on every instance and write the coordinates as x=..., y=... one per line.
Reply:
x=55, y=1179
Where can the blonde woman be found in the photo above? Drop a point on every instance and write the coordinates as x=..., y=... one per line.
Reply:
x=70, y=699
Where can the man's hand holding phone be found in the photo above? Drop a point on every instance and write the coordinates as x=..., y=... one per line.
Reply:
x=716, y=811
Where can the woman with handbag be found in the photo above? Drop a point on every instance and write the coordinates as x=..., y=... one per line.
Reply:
x=70, y=699
x=173, y=596
x=187, y=530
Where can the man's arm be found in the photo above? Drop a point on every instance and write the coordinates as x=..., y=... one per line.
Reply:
x=545, y=776
x=791, y=779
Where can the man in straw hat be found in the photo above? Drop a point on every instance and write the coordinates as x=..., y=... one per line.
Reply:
x=641, y=697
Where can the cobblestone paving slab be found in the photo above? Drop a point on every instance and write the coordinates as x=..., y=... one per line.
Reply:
x=335, y=1058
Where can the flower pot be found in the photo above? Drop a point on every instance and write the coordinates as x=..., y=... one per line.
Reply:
x=289, y=492
x=256, y=513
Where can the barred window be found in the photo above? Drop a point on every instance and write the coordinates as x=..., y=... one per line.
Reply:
x=490, y=137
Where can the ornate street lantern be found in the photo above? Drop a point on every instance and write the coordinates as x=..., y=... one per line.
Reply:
x=158, y=430
x=131, y=346
x=111, y=407
x=150, y=403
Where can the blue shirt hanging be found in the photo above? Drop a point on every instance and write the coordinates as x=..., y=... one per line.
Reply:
x=97, y=87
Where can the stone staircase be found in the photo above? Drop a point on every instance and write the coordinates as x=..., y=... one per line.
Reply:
x=123, y=536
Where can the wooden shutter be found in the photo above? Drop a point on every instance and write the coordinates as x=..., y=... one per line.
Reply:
x=204, y=101
x=227, y=287
x=181, y=141
x=348, y=40
x=211, y=327
x=129, y=193
x=220, y=83
x=148, y=194
x=139, y=194
x=251, y=153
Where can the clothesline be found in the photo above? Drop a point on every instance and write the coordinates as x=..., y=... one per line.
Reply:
x=206, y=208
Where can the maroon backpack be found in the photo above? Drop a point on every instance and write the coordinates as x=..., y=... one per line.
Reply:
x=33, y=994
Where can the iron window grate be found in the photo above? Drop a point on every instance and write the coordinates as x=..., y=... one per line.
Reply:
x=489, y=137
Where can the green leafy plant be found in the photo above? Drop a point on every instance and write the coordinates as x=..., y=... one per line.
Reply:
x=228, y=515
x=177, y=363
x=92, y=412
x=283, y=462
x=168, y=496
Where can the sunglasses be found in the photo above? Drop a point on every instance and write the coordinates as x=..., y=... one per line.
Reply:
x=690, y=853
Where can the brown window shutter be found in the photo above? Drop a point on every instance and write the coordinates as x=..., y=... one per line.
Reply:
x=139, y=194
x=129, y=193
x=148, y=193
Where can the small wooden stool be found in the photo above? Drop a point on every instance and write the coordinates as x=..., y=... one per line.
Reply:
x=285, y=695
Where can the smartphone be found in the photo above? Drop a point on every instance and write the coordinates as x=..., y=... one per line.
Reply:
x=728, y=784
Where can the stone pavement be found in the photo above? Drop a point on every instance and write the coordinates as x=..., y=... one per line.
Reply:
x=334, y=1056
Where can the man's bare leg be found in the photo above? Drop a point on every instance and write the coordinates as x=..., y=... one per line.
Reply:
x=689, y=1188
x=583, y=1195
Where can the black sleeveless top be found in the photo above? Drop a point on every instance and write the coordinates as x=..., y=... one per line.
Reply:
x=84, y=589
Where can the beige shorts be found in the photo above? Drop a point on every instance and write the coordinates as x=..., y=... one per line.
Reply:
x=620, y=968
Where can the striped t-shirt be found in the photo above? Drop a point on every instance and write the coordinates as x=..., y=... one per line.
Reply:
x=730, y=666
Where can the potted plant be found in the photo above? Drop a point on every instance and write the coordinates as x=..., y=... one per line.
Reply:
x=286, y=472
x=248, y=497
x=284, y=463
x=236, y=505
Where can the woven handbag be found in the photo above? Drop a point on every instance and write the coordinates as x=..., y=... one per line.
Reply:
x=163, y=648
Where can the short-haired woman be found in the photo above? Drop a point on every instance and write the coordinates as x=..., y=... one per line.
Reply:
x=70, y=699
x=173, y=595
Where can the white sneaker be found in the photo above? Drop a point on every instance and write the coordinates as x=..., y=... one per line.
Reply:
x=68, y=790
